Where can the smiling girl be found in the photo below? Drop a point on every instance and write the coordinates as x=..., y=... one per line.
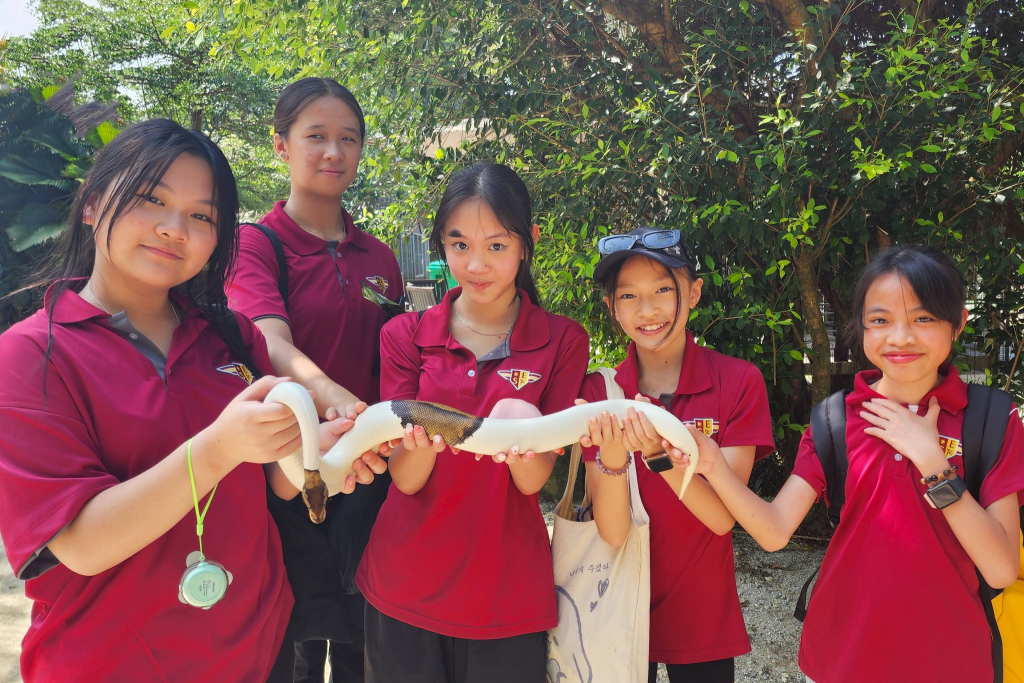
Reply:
x=458, y=574
x=324, y=334
x=651, y=286
x=124, y=403
x=897, y=596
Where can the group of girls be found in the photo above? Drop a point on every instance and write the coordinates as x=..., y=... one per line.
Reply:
x=131, y=404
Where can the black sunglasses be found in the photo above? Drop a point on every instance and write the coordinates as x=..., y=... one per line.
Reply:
x=656, y=239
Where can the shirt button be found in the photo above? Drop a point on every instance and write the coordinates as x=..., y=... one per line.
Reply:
x=898, y=457
x=472, y=373
x=133, y=336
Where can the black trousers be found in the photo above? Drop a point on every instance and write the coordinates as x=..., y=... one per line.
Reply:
x=717, y=671
x=397, y=652
x=346, y=661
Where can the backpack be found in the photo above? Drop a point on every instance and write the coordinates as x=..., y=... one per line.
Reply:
x=985, y=421
x=282, y=266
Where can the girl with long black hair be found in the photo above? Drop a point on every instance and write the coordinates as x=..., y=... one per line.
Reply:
x=127, y=400
x=458, y=575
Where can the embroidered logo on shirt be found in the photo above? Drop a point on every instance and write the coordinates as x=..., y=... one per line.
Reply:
x=950, y=447
x=519, y=378
x=238, y=370
x=707, y=425
x=380, y=282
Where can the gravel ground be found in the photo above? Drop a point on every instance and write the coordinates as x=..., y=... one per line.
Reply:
x=768, y=586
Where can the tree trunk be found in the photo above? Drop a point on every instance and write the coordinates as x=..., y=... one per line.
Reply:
x=821, y=363
x=197, y=119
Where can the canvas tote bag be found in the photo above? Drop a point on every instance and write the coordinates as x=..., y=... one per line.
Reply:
x=604, y=592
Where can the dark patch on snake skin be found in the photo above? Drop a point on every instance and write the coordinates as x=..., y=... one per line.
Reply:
x=314, y=493
x=454, y=426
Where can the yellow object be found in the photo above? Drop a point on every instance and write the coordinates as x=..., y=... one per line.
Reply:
x=1009, y=612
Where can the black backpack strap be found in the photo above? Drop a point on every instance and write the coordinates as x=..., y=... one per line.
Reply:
x=985, y=421
x=828, y=430
x=282, y=265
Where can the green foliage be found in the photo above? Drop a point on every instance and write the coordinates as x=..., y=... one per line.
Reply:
x=41, y=164
x=153, y=62
x=787, y=141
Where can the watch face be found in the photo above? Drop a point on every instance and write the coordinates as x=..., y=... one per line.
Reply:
x=942, y=494
x=658, y=463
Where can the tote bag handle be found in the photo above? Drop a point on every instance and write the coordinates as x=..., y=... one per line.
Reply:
x=564, y=508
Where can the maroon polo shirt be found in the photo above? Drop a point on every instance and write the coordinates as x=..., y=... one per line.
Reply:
x=727, y=399
x=330, y=320
x=108, y=414
x=895, y=583
x=468, y=555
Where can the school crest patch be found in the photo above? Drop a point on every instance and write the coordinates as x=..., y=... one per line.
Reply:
x=238, y=370
x=950, y=447
x=379, y=282
x=707, y=425
x=519, y=378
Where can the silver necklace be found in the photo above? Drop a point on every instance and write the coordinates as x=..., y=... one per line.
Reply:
x=482, y=334
x=106, y=309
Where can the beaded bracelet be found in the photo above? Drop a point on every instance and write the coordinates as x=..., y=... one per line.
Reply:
x=615, y=473
x=945, y=474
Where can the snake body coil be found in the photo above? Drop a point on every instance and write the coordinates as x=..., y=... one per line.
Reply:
x=316, y=476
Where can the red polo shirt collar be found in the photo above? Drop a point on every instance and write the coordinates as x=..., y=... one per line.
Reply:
x=307, y=244
x=530, y=330
x=951, y=391
x=71, y=308
x=693, y=375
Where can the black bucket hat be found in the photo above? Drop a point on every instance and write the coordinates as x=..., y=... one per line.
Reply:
x=663, y=245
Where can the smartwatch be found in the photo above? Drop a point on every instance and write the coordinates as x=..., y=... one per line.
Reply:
x=658, y=463
x=946, y=492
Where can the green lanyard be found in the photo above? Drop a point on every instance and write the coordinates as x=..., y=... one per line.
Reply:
x=195, y=501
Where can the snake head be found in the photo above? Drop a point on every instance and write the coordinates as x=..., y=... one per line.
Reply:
x=314, y=493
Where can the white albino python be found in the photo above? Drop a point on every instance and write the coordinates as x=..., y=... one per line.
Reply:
x=316, y=476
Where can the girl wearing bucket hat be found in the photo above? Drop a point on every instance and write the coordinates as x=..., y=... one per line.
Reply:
x=650, y=286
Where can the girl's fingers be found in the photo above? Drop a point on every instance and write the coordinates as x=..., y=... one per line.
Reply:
x=409, y=440
x=874, y=419
x=649, y=431
x=580, y=402
x=258, y=390
x=586, y=441
x=364, y=475
x=373, y=461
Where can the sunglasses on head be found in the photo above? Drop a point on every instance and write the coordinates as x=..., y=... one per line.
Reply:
x=656, y=239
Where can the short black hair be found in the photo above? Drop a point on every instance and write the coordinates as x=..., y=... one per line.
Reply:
x=935, y=279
